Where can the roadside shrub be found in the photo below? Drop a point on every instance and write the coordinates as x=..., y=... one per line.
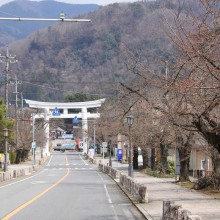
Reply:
x=12, y=157
x=171, y=167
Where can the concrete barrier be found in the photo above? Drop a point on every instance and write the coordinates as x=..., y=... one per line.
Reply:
x=10, y=174
x=138, y=191
x=176, y=212
x=19, y=172
x=91, y=160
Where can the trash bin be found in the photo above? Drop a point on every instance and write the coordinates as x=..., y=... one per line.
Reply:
x=119, y=154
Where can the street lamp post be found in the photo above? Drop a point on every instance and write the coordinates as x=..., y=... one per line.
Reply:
x=6, y=148
x=33, y=145
x=130, y=120
x=94, y=140
x=110, y=153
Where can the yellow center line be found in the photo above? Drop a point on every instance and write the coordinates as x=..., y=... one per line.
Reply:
x=15, y=211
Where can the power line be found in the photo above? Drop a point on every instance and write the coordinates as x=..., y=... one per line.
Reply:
x=51, y=88
x=6, y=13
x=84, y=82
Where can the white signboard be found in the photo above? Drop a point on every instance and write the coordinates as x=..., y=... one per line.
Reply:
x=33, y=145
x=104, y=144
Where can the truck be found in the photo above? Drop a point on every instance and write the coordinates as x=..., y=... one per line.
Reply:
x=65, y=144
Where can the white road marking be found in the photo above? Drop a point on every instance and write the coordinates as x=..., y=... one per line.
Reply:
x=83, y=160
x=37, y=182
x=109, y=198
x=48, y=164
x=128, y=214
x=69, y=164
x=22, y=180
x=107, y=194
x=125, y=204
x=70, y=168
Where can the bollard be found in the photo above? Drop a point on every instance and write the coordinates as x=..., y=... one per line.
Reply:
x=175, y=211
x=182, y=213
x=142, y=194
x=166, y=210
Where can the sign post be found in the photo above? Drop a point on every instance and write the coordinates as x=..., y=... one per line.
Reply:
x=33, y=146
x=104, y=145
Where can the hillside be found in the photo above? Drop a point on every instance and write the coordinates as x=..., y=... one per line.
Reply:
x=88, y=57
x=10, y=30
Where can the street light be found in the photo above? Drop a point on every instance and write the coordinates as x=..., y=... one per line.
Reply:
x=110, y=152
x=130, y=120
x=5, y=133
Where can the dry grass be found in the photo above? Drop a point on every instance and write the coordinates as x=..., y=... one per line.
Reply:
x=208, y=190
x=211, y=192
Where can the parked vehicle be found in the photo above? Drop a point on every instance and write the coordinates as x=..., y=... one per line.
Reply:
x=58, y=147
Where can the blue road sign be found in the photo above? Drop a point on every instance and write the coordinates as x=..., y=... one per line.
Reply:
x=56, y=112
x=75, y=120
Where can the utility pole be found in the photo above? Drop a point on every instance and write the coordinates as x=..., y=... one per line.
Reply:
x=33, y=145
x=94, y=139
x=22, y=105
x=16, y=82
x=7, y=59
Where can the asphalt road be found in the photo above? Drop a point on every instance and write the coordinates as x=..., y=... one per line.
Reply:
x=68, y=188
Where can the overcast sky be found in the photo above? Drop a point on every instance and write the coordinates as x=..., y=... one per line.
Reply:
x=98, y=2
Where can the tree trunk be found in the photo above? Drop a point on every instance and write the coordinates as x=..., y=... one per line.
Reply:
x=152, y=159
x=184, y=155
x=164, y=154
x=184, y=167
x=145, y=158
x=18, y=156
x=216, y=169
x=184, y=148
x=135, y=158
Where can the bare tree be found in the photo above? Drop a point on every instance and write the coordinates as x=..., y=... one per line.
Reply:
x=25, y=135
x=197, y=80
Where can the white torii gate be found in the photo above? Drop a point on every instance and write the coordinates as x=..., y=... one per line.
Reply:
x=64, y=107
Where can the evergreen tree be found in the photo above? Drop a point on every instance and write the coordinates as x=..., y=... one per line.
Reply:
x=5, y=123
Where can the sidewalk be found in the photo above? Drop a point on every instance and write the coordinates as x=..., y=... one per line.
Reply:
x=20, y=170
x=29, y=163
x=164, y=189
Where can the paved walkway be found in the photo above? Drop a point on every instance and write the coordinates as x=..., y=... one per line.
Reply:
x=27, y=166
x=164, y=189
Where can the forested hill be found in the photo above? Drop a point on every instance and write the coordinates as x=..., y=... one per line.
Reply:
x=10, y=31
x=88, y=57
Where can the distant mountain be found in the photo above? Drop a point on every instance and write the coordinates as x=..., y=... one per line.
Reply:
x=89, y=57
x=13, y=30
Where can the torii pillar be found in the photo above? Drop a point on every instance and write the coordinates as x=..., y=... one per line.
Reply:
x=64, y=107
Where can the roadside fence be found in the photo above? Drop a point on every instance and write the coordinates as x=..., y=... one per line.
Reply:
x=137, y=191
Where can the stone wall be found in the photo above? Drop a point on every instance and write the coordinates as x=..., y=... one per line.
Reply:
x=8, y=175
x=19, y=172
x=137, y=191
